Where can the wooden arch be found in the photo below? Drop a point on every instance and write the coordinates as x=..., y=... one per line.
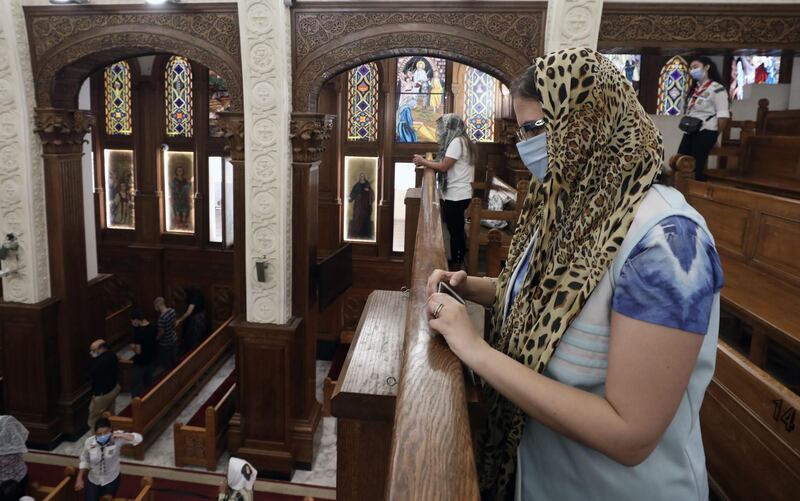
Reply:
x=499, y=38
x=68, y=44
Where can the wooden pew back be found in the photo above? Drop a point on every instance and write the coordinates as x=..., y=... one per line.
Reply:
x=758, y=229
x=63, y=491
x=776, y=123
x=748, y=423
x=772, y=157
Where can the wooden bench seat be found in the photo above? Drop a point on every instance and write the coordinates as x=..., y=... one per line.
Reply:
x=149, y=413
x=769, y=164
x=776, y=123
x=63, y=491
x=145, y=493
x=202, y=440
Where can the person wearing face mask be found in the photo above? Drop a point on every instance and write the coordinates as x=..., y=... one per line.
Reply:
x=455, y=166
x=103, y=375
x=100, y=458
x=605, y=318
x=706, y=113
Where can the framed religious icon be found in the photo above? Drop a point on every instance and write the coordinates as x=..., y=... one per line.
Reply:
x=119, y=188
x=179, y=191
x=361, y=207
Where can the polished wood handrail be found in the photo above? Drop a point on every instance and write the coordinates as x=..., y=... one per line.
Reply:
x=432, y=455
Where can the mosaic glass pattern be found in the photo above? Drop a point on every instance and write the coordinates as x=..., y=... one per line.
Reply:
x=117, y=83
x=479, y=105
x=673, y=87
x=178, y=96
x=362, y=103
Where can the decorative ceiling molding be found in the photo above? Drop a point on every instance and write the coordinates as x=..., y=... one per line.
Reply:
x=501, y=38
x=700, y=25
x=68, y=44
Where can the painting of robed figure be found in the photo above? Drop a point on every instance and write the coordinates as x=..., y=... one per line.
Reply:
x=179, y=188
x=119, y=188
x=361, y=174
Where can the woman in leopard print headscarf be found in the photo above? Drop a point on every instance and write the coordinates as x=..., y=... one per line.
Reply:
x=621, y=274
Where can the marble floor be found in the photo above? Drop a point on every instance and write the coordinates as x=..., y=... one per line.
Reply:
x=162, y=454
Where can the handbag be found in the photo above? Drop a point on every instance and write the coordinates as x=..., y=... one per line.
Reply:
x=690, y=124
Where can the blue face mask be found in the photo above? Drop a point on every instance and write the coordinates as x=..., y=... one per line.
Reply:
x=533, y=153
x=103, y=439
x=697, y=73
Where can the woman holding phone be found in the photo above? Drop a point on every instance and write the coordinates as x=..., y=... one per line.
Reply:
x=606, y=314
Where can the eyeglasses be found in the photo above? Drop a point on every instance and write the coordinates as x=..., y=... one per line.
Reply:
x=530, y=129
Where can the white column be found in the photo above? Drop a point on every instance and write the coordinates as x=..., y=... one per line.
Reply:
x=264, y=26
x=572, y=23
x=22, y=204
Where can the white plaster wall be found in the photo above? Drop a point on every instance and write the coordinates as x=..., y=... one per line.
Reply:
x=794, y=93
x=84, y=103
x=22, y=208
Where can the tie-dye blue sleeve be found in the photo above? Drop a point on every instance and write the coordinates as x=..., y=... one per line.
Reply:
x=670, y=277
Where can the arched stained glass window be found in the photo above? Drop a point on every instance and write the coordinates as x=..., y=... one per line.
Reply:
x=673, y=87
x=118, y=99
x=362, y=103
x=479, y=105
x=178, y=96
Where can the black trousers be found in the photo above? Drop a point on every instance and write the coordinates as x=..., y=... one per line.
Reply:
x=698, y=144
x=453, y=212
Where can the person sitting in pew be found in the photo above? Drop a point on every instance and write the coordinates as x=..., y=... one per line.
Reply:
x=606, y=315
x=13, y=471
x=239, y=484
x=100, y=458
x=144, y=348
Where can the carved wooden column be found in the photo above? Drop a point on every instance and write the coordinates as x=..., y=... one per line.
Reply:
x=62, y=133
x=232, y=124
x=309, y=133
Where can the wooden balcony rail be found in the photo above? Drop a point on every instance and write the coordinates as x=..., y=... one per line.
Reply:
x=432, y=455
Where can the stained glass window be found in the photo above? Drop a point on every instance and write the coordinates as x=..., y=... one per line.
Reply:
x=630, y=65
x=178, y=97
x=219, y=100
x=748, y=70
x=117, y=83
x=673, y=87
x=479, y=90
x=119, y=188
x=362, y=103
x=179, y=190
x=420, y=98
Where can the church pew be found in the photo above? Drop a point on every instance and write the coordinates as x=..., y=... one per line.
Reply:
x=770, y=164
x=149, y=413
x=729, y=148
x=496, y=253
x=202, y=439
x=478, y=235
x=776, y=123
x=63, y=491
x=757, y=236
x=748, y=424
x=332, y=377
x=112, y=306
x=431, y=378
x=145, y=493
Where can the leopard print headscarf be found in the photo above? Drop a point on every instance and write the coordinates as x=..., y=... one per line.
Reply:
x=604, y=154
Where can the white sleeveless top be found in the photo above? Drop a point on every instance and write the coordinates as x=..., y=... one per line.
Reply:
x=553, y=467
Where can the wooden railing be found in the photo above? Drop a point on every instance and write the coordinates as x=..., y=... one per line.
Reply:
x=432, y=455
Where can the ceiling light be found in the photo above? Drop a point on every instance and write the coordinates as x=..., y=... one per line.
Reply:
x=68, y=1
x=161, y=2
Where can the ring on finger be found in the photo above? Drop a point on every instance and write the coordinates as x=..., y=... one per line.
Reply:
x=437, y=310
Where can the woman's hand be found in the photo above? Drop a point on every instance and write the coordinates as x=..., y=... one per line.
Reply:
x=420, y=160
x=455, y=279
x=454, y=324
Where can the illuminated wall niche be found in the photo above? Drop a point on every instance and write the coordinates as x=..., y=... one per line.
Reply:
x=179, y=191
x=119, y=188
x=361, y=207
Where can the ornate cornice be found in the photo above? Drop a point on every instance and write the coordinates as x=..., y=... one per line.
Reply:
x=232, y=125
x=93, y=36
x=62, y=131
x=700, y=25
x=309, y=133
x=499, y=39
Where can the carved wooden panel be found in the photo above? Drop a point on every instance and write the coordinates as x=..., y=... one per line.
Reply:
x=499, y=38
x=92, y=36
x=221, y=303
x=696, y=26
